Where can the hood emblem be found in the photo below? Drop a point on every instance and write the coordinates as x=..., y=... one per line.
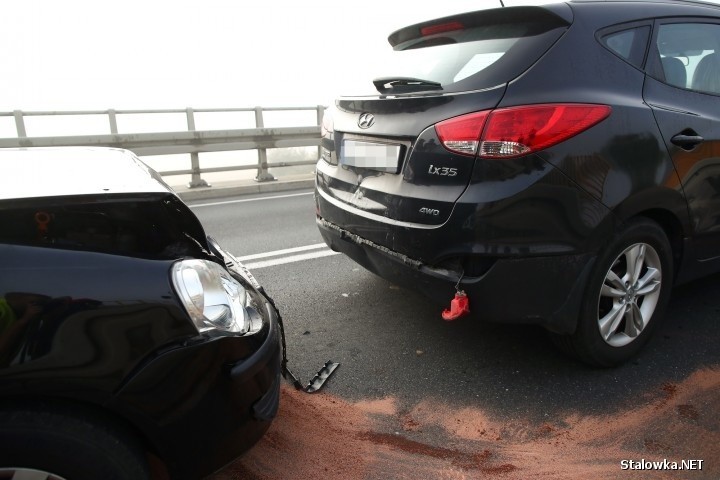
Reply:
x=366, y=120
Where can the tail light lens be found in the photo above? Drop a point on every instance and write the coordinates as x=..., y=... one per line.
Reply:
x=516, y=131
x=462, y=134
x=327, y=125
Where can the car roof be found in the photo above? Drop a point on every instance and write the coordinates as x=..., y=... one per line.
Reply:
x=672, y=2
x=661, y=7
x=65, y=171
x=601, y=13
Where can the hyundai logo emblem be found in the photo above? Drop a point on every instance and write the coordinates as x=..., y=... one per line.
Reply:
x=366, y=120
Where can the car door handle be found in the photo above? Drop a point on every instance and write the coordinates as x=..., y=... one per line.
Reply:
x=687, y=142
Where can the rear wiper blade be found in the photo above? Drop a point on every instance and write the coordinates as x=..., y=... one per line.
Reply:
x=404, y=84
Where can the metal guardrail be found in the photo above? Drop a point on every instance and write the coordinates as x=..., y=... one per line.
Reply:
x=191, y=142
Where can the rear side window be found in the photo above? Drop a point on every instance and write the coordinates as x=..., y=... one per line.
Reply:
x=630, y=44
x=471, y=51
x=690, y=56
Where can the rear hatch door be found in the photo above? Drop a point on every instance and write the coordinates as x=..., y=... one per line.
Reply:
x=383, y=164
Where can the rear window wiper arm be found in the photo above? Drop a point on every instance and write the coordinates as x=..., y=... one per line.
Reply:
x=404, y=84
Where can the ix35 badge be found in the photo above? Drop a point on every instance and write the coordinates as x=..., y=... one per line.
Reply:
x=442, y=171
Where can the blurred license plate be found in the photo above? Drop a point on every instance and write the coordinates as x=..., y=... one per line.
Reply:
x=375, y=156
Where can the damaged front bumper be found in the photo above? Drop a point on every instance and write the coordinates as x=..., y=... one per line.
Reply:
x=318, y=381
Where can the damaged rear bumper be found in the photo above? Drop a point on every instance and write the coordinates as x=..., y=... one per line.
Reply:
x=545, y=290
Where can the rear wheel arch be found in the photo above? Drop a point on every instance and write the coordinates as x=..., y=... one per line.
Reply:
x=674, y=231
x=669, y=211
x=609, y=331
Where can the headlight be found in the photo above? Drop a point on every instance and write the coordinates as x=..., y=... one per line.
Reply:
x=211, y=296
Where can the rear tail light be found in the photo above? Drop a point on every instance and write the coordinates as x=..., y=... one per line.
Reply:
x=462, y=134
x=327, y=125
x=516, y=131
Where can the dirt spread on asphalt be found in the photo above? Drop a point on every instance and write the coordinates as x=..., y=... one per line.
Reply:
x=322, y=436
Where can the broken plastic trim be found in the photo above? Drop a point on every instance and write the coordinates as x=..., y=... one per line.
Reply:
x=459, y=305
x=438, y=272
x=362, y=241
x=318, y=381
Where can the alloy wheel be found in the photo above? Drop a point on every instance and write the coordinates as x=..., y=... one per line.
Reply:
x=26, y=474
x=629, y=294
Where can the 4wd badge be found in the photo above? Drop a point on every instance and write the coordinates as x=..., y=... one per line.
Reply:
x=430, y=211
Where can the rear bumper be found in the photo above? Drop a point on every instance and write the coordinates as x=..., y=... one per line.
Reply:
x=203, y=405
x=545, y=290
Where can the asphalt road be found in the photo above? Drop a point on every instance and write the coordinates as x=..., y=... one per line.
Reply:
x=392, y=343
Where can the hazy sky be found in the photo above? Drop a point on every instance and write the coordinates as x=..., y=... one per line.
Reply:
x=133, y=54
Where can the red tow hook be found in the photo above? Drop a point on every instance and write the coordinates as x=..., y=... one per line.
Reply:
x=459, y=306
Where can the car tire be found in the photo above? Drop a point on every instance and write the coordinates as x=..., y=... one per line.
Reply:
x=623, y=304
x=64, y=447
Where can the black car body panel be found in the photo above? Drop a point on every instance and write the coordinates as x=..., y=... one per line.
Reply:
x=535, y=222
x=698, y=168
x=93, y=318
x=225, y=389
x=87, y=326
x=400, y=197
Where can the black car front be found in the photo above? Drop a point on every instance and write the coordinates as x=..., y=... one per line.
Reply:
x=115, y=303
x=211, y=398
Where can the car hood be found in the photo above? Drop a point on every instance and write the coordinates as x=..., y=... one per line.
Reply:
x=62, y=171
x=94, y=199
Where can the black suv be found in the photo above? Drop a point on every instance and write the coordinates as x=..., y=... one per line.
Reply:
x=558, y=163
x=128, y=338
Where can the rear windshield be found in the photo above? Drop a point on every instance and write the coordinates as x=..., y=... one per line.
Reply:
x=471, y=51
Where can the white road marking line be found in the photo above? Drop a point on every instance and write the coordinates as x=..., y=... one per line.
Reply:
x=249, y=200
x=282, y=252
x=290, y=259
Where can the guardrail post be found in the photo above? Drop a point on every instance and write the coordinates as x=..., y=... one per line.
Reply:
x=320, y=113
x=113, y=121
x=196, y=180
x=262, y=172
x=19, y=123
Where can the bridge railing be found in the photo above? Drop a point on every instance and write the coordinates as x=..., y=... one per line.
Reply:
x=190, y=141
